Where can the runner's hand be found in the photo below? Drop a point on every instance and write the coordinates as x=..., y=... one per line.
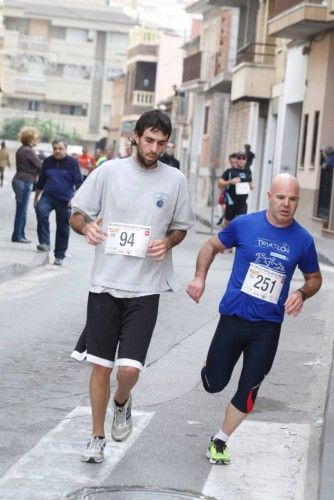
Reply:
x=157, y=249
x=195, y=289
x=294, y=304
x=94, y=233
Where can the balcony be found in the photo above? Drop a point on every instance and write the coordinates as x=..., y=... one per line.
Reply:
x=30, y=84
x=254, y=74
x=203, y=6
x=299, y=19
x=33, y=44
x=192, y=67
x=142, y=98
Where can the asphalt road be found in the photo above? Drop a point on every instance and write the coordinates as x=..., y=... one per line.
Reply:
x=44, y=420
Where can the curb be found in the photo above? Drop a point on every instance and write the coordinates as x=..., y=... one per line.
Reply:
x=326, y=480
x=11, y=270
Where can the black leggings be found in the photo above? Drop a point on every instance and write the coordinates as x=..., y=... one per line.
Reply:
x=257, y=340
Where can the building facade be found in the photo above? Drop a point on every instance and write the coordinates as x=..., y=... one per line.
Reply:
x=153, y=69
x=59, y=62
x=207, y=77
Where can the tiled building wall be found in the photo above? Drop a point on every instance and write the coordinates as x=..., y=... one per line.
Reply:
x=238, y=125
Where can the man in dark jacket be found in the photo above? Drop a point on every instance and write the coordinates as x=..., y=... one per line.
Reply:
x=168, y=157
x=59, y=178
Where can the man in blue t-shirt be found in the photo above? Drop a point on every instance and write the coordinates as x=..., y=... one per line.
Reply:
x=59, y=178
x=269, y=246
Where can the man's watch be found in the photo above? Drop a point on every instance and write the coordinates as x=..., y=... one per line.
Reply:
x=303, y=294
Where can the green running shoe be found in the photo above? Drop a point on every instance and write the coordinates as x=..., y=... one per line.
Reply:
x=217, y=452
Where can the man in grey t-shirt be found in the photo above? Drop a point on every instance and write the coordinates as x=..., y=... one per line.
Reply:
x=134, y=210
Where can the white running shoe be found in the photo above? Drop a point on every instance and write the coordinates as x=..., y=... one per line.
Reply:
x=95, y=450
x=122, y=421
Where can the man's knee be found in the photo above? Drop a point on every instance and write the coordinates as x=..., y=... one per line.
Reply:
x=127, y=372
x=210, y=385
x=101, y=373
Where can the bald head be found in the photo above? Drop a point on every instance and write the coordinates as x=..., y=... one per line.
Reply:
x=284, y=181
x=283, y=199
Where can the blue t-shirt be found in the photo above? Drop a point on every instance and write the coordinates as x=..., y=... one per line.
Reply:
x=278, y=249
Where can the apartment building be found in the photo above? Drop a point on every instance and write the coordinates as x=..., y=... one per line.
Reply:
x=207, y=76
x=153, y=69
x=306, y=104
x=2, y=41
x=59, y=62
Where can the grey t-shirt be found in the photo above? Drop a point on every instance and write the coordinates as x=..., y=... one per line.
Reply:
x=121, y=191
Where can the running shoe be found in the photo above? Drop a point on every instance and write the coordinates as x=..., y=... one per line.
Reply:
x=217, y=452
x=95, y=450
x=122, y=421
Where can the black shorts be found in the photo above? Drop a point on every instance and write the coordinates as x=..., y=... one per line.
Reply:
x=232, y=211
x=126, y=324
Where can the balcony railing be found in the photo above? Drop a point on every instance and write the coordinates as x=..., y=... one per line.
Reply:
x=30, y=83
x=258, y=53
x=283, y=5
x=33, y=43
x=142, y=98
x=192, y=67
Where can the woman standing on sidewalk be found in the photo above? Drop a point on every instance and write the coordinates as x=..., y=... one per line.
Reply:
x=28, y=166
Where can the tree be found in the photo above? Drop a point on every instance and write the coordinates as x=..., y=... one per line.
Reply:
x=48, y=130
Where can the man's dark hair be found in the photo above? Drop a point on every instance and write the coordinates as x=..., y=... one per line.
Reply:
x=3, y=144
x=58, y=141
x=156, y=120
x=233, y=155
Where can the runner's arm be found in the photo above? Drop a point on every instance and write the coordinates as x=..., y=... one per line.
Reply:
x=92, y=230
x=205, y=257
x=294, y=302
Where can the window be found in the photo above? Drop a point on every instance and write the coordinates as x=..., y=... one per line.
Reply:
x=315, y=136
x=68, y=109
x=302, y=157
x=33, y=105
x=206, y=120
x=76, y=35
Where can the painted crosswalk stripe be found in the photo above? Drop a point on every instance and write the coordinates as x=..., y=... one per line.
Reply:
x=268, y=460
x=52, y=469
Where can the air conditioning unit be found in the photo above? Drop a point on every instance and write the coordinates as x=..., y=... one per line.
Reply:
x=90, y=36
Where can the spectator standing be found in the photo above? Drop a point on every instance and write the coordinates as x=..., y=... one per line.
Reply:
x=237, y=182
x=249, y=155
x=98, y=154
x=108, y=156
x=222, y=198
x=86, y=163
x=59, y=178
x=28, y=167
x=4, y=161
x=328, y=157
x=168, y=157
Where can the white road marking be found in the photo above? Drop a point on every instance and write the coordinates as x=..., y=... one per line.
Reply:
x=52, y=469
x=268, y=460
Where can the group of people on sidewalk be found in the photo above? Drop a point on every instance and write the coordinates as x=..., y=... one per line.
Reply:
x=54, y=181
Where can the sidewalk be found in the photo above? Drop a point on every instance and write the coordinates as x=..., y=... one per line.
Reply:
x=16, y=258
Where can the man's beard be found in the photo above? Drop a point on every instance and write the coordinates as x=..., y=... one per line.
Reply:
x=143, y=161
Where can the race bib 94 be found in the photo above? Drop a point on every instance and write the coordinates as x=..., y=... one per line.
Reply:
x=127, y=239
